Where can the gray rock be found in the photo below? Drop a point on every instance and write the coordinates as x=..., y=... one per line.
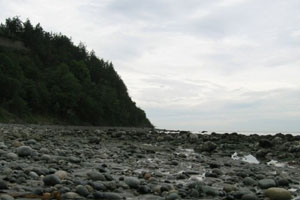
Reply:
x=51, y=180
x=249, y=197
x=132, y=182
x=24, y=151
x=82, y=190
x=210, y=191
x=265, y=143
x=33, y=175
x=98, y=185
x=283, y=182
x=96, y=176
x=6, y=197
x=207, y=146
x=71, y=195
x=266, y=183
x=2, y=145
x=3, y=185
x=107, y=195
x=241, y=192
x=151, y=197
x=12, y=156
x=249, y=181
x=172, y=196
x=74, y=159
x=229, y=188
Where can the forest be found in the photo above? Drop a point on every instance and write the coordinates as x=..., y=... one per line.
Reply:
x=46, y=78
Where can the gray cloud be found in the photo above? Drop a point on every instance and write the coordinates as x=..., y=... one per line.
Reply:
x=199, y=64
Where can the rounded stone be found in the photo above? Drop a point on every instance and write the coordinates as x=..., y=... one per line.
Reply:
x=249, y=181
x=24, y=151
x=6, y=197
x=33, y=175
x=3, y=185
x=12, y=156
x=172, y=196
x=61, y=174
x=229, y=188
x=107, y=195
x=266, y=183
x=51, y=180
x=249, y=197
x=278, y=194
x=71, y=195
x=132, y=182
x=82, y=191
x=96, y=176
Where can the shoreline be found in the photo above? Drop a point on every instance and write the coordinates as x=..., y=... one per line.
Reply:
x=128, y=163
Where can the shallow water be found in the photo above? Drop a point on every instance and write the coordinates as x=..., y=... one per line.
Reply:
x=276, y=163
x=248, y=158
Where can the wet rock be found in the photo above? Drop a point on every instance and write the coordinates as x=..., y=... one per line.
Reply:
x=210, y=191
x=266, y=183
x=82, y=190
x=61, y=174
x=172, y=196
x=96, y=176
x=278, y=194
x=33, y=175
x=11, y=156
x=249, y=181
x=98, y=185
x=207, y=146
x=249, y=197
x=229, y=188
x=283, y=182
x=71, y=195
x=24, y=151
x=3, y=185
x=107, y=195
x=265, y=143
x=51, y=180
x=6, y=197
x=132, y=182
x=151, y=197
x=144, y=189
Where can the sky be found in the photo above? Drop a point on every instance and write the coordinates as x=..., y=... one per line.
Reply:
x=216, y=65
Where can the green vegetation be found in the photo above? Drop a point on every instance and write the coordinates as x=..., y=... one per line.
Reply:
x=46, y=78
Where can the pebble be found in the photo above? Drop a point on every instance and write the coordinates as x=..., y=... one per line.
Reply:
x=24, y=151
x=61, y=174
x=266, y=183
x=128, y=166
x=172, y=196
x=6, y=197
x=249, y=197
x=132, y=182
x=51, y=180
x=107, y=195
x=96, y=176
x=3, y=185
x=82, y=190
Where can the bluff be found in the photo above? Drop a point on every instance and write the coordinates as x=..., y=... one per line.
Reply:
x=45, y=78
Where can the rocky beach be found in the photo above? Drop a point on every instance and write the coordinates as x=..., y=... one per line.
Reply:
x=57, y=162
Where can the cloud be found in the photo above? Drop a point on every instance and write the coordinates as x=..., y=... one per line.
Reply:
x=217, y=65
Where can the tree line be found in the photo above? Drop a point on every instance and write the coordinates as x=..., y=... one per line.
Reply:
x=53, y=80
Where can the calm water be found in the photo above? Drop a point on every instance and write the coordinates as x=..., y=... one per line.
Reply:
x=249, y=132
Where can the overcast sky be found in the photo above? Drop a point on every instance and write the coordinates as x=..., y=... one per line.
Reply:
x=218, y=65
